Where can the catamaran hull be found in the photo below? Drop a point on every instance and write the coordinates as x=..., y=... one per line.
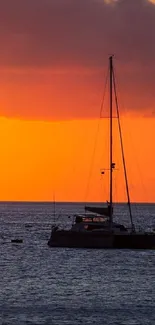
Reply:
x=135, y=241
x=80, y=240
x=98, y=240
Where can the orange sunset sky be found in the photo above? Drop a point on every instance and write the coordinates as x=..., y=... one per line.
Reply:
x=53, y=66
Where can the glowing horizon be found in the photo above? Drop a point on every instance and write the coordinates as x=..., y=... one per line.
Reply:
x=38, y=164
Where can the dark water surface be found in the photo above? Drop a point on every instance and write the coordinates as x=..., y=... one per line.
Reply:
x=42, y=285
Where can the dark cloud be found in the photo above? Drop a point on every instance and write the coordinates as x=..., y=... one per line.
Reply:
x=82, y=33
x=50, y=32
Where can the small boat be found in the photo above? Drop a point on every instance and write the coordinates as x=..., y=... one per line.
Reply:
x=98, y=230
x=27, y=225
x=17, y=241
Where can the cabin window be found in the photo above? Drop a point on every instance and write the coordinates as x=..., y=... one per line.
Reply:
x=87, y=220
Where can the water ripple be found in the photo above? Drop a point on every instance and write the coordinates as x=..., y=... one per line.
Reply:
x=40, y=285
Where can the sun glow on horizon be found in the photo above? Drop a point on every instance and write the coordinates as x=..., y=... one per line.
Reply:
x=152, y=1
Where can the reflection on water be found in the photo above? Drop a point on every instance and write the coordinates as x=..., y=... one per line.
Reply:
x=42, y=285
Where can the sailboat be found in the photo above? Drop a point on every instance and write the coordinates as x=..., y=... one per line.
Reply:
x=97, y=229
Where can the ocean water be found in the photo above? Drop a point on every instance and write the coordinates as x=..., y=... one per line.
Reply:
x=55, y=286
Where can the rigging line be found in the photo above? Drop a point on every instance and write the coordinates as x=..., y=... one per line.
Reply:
x=122, y=149
x=121, y=104
x=103, y=98
x=130, y=136
x=95, y=142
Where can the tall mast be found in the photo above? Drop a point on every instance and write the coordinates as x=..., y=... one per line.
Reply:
x=111, y=134
x=123, y=155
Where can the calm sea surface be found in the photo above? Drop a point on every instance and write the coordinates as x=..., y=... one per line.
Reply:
x=54, y=286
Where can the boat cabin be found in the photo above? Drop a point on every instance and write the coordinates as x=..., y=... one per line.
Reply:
x=94, y=222
x=89, y=218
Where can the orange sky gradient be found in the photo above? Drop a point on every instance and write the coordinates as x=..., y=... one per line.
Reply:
x=53, y=65
x=40, y=158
